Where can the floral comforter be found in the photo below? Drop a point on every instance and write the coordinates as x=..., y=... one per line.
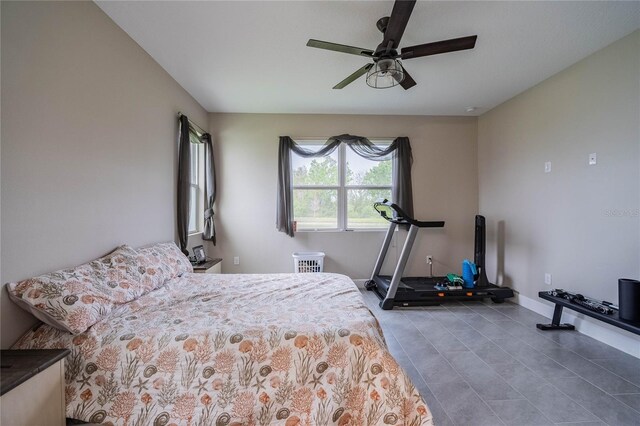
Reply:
x=204, y=349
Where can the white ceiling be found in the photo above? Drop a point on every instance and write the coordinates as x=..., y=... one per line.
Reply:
x=250, y=56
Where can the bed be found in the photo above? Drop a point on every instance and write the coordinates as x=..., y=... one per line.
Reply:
x=206, y=349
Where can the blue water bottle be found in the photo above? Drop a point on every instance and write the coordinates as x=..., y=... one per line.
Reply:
x=469, y=271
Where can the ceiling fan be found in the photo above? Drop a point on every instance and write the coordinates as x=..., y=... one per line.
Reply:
x=386, y=70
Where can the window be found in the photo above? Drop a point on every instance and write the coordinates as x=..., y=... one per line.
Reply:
x=337, y=192
x=196, y=205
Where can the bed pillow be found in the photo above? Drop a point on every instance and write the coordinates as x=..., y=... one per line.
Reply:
x=75, y=299
x=161, y=262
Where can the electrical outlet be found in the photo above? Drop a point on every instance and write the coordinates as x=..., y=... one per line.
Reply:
x=429, y=259
x=236, y=260
x=547, y=167
x=547, y=278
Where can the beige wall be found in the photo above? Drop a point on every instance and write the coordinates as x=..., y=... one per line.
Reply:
x=88, y=142
x=561, y=222
x=444, y=183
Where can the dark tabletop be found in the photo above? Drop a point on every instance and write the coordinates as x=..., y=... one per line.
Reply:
x=17, y=366
x=206, y=265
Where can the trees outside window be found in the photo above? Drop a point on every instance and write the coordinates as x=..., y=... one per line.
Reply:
x=337, y=192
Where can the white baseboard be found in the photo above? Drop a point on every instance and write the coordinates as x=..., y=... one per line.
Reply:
x=605, y=333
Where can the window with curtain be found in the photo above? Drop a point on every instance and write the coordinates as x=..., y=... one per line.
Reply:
x=332, y=185
x=337, y=191
x=196, y=183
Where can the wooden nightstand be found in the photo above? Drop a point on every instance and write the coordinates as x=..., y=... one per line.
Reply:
x=32, y=387
x=213, y=266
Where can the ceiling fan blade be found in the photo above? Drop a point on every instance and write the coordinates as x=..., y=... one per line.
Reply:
x=397, y=22
x=407, y=82
x=353, y=77
x=339, y=48
x=438, y=47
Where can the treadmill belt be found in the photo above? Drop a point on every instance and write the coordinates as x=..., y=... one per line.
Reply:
x=423, y=283
x=416, y=283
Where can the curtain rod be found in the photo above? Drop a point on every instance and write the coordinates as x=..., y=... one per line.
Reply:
x=193, y=124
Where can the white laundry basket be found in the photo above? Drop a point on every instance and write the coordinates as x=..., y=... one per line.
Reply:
x=311, y=261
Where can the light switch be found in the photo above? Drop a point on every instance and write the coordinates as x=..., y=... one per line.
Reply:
x=593, y=159
x=547, y=167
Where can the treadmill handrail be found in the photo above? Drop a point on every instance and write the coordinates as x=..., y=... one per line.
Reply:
x=401, y=218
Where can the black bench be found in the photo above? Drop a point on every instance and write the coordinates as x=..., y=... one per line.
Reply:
x=613, y=319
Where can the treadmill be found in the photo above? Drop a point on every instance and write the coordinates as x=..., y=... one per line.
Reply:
x=397, y=290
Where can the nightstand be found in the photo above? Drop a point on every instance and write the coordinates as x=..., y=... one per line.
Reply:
x=32, y=387
x=213, y=266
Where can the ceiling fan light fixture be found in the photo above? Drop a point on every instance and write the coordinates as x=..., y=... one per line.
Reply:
x=385, y=73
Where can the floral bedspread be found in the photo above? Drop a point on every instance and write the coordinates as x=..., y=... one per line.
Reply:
x=286, y=349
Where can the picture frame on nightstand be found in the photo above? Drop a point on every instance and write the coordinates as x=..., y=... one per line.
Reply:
x=198, y=253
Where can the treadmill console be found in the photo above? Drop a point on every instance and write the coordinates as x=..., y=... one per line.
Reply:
x=393, y=213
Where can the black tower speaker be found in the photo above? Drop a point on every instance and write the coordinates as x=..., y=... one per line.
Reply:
x=629, y=299
x=480, y=251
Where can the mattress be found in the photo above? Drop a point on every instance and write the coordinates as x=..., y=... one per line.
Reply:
x=227, y=349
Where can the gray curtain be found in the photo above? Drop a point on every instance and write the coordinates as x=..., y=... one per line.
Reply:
x=284, y=209
x=399, y=151
x=402, y=191
x=184, y=175
x=209, y=232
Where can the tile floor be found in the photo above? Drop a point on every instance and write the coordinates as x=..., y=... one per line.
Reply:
x=486, y=364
